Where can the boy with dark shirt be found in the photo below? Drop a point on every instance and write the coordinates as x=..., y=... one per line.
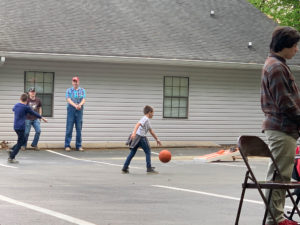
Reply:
x=21, y=109
x=280, y=102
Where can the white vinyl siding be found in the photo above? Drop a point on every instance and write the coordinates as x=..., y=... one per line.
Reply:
x=223, y=104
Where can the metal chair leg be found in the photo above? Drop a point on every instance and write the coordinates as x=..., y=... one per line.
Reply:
x=266, y=211
x=240, y=206
x=294, y=208
x=294, y=203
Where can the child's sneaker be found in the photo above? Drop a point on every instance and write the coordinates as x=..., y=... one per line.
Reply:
x=125, y=170
x=12, y=160
x=287, y=222
x=9, y=151
x=151, y=170
x=35, y=148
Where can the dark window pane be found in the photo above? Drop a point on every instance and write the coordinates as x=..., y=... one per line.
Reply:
x=28, y=85
x=175, y=112
x=39, y=77
x=167, y=112
x=168, y=81
x=183, y=103
x=30, y=77
x=39, y=87
x=176, y=81
x=184, y=82
x=168, y=102
x=46, y=98
x=184, y=91
x=168, y=91
x=176, y=91
x=48, y=78
x=48, y=88
x=47, y=111
x=175, y=102
x=182, y=112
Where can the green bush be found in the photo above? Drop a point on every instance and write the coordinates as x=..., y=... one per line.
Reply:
x=284, y=12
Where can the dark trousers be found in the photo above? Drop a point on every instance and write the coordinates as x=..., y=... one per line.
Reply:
x=143, y=143
x=21, y=142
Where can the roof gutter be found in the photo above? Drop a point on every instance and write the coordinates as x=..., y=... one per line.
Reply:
x=133, y=60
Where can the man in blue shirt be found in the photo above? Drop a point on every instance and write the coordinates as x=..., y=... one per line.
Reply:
x=76, y=98
x=21, y=109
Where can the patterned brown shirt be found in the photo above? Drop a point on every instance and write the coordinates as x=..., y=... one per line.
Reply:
x=280, y=99
x=35, y=105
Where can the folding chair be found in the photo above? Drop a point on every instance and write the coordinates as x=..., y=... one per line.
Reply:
x=254, y=146
x=295, y=176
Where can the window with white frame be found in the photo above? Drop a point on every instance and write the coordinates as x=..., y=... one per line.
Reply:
x=176, y=97
x=43, y=82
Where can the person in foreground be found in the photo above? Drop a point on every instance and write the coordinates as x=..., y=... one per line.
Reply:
x=280, y=102
x=138, y=139
x=21, y=109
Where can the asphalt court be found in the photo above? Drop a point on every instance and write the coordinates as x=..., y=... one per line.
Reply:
x=55, y=187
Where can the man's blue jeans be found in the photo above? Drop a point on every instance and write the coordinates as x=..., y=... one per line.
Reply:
x=145, y=146
x=37, y=127
x=74, y=116
x=21, y=139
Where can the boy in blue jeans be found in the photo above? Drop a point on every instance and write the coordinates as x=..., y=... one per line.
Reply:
x=138, y=139
x=21, y=109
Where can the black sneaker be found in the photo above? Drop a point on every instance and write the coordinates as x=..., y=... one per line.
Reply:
x=151, y=170
x=9, y=151
x=125, y=170
x=12, y=160
x=35, y=148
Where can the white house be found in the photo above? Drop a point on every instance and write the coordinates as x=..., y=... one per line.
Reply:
x=197, y=69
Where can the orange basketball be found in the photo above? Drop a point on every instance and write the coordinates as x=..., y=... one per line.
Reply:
x=165, y=156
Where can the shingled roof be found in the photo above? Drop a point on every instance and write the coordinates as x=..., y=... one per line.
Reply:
x=167, y=29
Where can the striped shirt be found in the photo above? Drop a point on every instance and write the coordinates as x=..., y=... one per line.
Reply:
x=280, y=99
x=75, y=95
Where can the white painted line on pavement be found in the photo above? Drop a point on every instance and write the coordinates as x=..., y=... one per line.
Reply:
x=8, y=166
x=87, y=160
x=154, y=153
x=67, y=156
x=46, y=211
x=212, y=194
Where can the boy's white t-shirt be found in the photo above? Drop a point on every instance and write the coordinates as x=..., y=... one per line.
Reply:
x=145, y=126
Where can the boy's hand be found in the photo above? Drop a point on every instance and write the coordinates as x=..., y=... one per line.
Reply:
x=133, y=136
x=44, y=119
x=158, y=142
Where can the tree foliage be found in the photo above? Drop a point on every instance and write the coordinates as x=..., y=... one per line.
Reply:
x=284, y=12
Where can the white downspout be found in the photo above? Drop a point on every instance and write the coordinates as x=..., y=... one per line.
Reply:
x=2, y=60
